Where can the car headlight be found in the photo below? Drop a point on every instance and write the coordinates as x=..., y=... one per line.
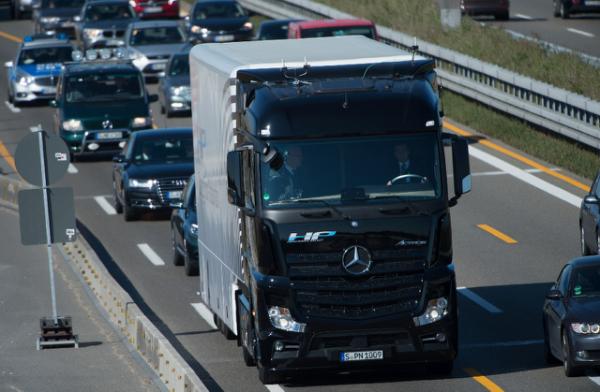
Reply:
x=25, y=80
x=92, y=33
x=585, y=328
x=145, y=184
x=132, y=3
x=141, y=122
x=199, y=30
x=247, y=26
x=282, y=319
x=180, y=91
x=49, y=19
x=194, y=229
x=72, y=125
x=436, y=310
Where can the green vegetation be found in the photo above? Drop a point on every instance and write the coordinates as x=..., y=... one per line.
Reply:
x=556, y=151
x=421, y=18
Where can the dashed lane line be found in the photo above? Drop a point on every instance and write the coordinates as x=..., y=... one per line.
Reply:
x=12, y=107
x=479, y=300
x=581, y=32
x=105, y=205
x=11, y=37
x=151, y=254
x=497, y=233
x=4, y=153
x=483, y=380
x=274, y=388
x=72, y=169
x=523, y=16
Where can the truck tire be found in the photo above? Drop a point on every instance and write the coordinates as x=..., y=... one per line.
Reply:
x=177, y=257
x=190, y=265
x=268, y=376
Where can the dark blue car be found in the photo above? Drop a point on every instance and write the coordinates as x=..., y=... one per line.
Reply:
x=184, y=231
x=219, y=21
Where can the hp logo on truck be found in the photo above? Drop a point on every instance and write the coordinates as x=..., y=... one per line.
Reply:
x=317, y=236
x=356, y=260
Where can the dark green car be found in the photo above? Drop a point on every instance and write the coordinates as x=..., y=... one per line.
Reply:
x=98, y=104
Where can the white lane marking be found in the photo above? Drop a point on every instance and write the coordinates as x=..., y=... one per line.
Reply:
x=72, y=169
x=274, y=388
x=35, y=128
x=12, y=107
x=522, y=16
x=526, y=177
x=478, y=300
x=205, y=313
x=105, y=205
x=581, y=32
x=150, y=254
x=595, y=379
x=500, y=173
x=516, y=343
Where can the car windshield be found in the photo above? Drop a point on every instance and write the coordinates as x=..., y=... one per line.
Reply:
x=273, y=31
x=357, y=170
x=164, y=149
x=103, y=87
x=52, y=55
x=585, y=282
x=338, y=31
x=218, y=10
x=62, y=3
x=180, y=65
x=97, y=12
x=157, y=36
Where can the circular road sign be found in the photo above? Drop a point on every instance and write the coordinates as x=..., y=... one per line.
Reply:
x=29, y=162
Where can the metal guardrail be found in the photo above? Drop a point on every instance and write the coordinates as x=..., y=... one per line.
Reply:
x=568, y=114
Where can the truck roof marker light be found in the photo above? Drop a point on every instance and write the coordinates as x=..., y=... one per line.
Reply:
x=266, y=131
x=77, y=55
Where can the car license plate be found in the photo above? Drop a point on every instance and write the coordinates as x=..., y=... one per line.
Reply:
x=361, y=356
x=110, y=135
x=224, y=38
x=174, y=195
x=159, y=66
x=153, y=10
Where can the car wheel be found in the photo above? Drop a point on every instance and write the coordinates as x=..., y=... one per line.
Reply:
x=16, y=12
x=571, y=370
x=190, y=265
x=168, y=113
x=116, y=203
x=556, y=11
x=564, y=12
x=177, y=258
x=129, y=213
x=585, y=251
x=502, y=16
x=548, y=356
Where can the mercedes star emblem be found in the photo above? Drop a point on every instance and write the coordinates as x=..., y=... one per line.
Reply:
x=356, y=260
x=107, y=124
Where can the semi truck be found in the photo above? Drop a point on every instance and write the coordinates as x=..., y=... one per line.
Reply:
x=323, y=198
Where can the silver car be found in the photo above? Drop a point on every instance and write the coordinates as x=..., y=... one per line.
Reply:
x=151, y=44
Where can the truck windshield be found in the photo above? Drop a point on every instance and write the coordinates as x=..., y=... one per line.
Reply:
x=363, y=170
x=338, y=31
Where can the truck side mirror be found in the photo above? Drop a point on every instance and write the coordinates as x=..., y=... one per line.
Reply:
x=461, y=168
x=234, y=179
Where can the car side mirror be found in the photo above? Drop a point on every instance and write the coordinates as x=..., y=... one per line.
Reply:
x=554, y=295
x=53, y=103
x=234, y=179
x=152, y=98
x=119, y=158
x=8, y=64
x=591, y=199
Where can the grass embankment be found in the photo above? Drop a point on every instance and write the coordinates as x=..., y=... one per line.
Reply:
x=421, y=18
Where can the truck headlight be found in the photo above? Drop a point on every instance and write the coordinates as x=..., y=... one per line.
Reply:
x=585, y=328
x=26, y=80
x=282, y=319
x=92, y=33
x=436, y=310
x=144, y=184
x=141, y=122
x=72, y=125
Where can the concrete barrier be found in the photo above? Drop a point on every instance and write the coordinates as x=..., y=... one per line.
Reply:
x=123, y=313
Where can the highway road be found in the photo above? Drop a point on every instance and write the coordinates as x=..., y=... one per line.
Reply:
x=512, y=235
x=535, y=19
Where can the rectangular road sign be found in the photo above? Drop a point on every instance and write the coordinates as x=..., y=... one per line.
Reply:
x=32, y=218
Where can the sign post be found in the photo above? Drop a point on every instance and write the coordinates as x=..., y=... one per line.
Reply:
x=42, y=159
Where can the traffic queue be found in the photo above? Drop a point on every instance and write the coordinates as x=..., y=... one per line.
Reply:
x=92, y=61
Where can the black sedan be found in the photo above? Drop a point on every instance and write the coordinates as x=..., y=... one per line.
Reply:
x=589, y=220
x=274, y=29
x=571, y=316
x=219, y=21
x=566, y=8
x=152, y=171
x=184, y=231
x=174, y=91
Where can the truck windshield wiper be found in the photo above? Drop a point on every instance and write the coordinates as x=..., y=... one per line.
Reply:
x=409, y=206
x=325, y=203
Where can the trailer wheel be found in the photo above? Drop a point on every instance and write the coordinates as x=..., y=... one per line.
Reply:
x=223, y=328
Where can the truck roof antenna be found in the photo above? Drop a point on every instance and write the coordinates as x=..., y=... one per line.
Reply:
x=295, y=78
x=414, y=48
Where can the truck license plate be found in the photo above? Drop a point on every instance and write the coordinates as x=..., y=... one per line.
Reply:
x=174, y=195
x=361, y=355
x=110, y=135
x=224, y=38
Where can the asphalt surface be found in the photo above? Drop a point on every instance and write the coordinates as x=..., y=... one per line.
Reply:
x=500, y=311
x=534, y=18
x=101, y=363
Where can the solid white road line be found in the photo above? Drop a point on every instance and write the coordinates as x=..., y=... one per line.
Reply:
x=522, y=16
x=526, y=177
x=517, y=343
x=581, y=32
x=205, y=313
x=274, y=388
x=501, y=173
x=12, y=107
x=72, y=169
x=105, y=205
x=151, y=254
x=595, y=379
x=478, y=300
